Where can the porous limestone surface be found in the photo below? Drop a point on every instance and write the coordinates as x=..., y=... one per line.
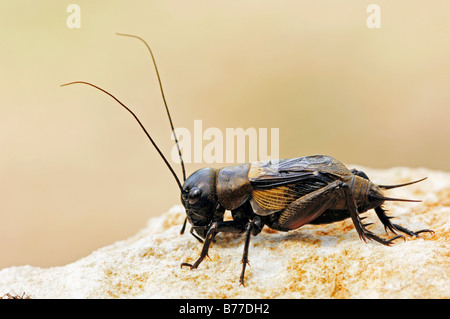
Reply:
x=314, y=261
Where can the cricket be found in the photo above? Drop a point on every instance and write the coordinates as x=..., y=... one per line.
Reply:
x=281, y=194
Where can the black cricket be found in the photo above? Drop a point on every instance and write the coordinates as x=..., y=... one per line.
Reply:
x=282, y=194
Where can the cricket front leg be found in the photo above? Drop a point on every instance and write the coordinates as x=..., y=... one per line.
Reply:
x=253, y=227
x=216, y=227
x=208, y=238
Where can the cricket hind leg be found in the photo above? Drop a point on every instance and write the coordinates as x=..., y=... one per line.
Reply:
x=385, y=220
x=305, y=209
x=359, y=226
x=309, y=207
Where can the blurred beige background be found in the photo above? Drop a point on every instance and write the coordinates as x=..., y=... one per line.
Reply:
x=76, y=171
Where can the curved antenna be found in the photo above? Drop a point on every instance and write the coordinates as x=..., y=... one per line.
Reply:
x=136, y=118
x=163, y=96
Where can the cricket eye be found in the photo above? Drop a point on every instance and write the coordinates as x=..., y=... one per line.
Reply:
x=194, y=195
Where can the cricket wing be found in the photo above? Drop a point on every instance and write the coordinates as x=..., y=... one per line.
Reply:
x=276, y=184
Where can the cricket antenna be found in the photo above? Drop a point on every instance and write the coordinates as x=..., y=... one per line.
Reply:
x=142, y=126
x=163, y=96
